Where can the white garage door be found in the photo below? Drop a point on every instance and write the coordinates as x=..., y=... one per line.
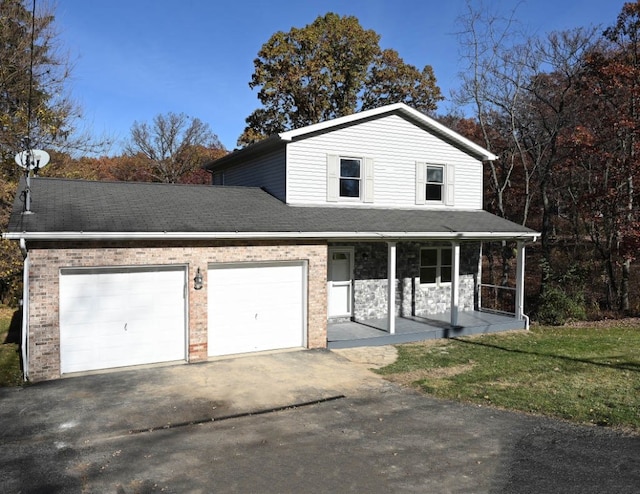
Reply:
x=256, y=307
x=115, y=317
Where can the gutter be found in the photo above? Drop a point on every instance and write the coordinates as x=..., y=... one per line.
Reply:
x=68, y=236
x=25, y=309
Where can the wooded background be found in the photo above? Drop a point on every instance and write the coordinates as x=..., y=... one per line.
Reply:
x=559, y=110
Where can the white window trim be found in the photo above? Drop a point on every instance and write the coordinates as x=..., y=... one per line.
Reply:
x=366, y=178
x=359, y=178
x=448, y=192
x=443, y=184
x=438, y=282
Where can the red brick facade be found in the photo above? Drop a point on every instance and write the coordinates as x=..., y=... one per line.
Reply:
x=46, y=260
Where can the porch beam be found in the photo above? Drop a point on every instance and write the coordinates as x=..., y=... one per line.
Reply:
x=455, y=281
x=391, y=287
x=520, y=281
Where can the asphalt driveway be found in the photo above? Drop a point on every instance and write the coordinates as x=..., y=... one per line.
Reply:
x=303, y=421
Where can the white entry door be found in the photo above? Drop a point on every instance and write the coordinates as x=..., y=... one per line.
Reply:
x=340, y=282
x=256, y=307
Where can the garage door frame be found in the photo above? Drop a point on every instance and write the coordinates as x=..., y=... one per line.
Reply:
x=182, y=268
x=303, y=264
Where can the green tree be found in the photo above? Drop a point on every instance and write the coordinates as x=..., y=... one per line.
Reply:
x=327, y=69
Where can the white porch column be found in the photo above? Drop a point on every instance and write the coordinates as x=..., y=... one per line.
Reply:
x=479, y=279
x=455, y=282
x=520, y=281
x=391, y=287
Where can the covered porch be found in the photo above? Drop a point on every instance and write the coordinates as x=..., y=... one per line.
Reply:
x=373, y=311
x=375, y=332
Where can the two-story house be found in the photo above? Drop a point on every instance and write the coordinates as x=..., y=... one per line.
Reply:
x=366, y=229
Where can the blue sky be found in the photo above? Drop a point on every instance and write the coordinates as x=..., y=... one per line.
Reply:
x=134, y=59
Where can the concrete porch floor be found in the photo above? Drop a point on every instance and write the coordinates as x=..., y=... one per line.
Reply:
x=373, y=332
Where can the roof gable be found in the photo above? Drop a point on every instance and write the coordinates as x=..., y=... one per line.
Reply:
x=422, y=120
x=401, y=109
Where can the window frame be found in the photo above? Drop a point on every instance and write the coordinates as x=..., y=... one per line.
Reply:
x=441, y=184
x=360, y=178
x=438, y=266
x=447, y=185
x=367, y=170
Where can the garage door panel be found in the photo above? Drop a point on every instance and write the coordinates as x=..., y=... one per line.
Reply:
x=255, y=308
x=120, y=317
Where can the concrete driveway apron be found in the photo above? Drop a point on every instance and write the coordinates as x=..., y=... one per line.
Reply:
x=165, y=396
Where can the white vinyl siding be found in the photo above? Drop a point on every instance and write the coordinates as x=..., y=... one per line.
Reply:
x=394, y=145
x=268, y=172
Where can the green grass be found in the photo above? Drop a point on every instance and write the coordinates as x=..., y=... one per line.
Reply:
x=587, y=375
x=10, y=373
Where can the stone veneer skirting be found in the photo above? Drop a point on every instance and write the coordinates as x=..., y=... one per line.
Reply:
x=412, y=299
x=46, y=260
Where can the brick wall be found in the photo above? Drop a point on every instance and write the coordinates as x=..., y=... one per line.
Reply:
x=47, y=259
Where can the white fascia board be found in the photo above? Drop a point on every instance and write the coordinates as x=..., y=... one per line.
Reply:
x=94, y=236
x=451, y=134
x=415, y=114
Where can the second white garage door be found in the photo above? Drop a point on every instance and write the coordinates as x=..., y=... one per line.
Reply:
x=256, y=307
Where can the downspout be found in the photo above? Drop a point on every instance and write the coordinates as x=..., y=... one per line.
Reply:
x=520, y=259
x=25, y=308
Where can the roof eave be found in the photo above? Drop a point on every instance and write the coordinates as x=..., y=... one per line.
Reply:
x=96, y=236
x=287, y=136
x=470, y=146
x=245, y=153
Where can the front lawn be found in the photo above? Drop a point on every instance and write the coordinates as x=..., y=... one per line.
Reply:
x=10, y=373
x=583, y=374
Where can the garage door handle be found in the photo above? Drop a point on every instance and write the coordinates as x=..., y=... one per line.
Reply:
x=256, y=317
x=125, y=326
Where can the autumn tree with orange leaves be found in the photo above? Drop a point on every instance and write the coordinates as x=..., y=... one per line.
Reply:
x=603, y=168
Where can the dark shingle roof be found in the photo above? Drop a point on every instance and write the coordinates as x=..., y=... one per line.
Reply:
x=62, y=206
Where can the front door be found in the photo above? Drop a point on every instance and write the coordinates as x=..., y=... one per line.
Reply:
x=340, y=282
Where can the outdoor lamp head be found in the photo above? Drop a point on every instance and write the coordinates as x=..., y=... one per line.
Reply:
x=197, y=280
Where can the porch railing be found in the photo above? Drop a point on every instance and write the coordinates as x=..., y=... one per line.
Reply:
x=497, y=298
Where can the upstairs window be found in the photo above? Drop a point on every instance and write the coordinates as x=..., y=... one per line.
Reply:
x=435, y=265
x=350, y=177
x=435, y=183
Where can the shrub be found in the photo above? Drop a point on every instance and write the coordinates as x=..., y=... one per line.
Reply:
x=556, y=307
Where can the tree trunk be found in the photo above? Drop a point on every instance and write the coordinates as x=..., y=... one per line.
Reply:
x=624, y=287
x=545, y=234
x=612, y=290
